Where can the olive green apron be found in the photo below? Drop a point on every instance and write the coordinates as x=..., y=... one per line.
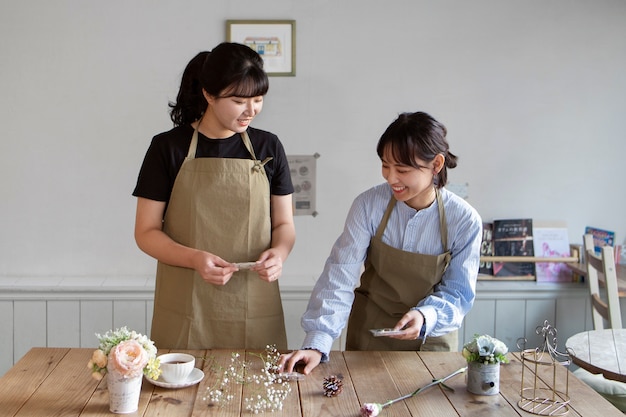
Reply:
x=392, y=283
x=222, y=206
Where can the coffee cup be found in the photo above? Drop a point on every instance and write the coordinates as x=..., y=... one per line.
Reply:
x=176, y=367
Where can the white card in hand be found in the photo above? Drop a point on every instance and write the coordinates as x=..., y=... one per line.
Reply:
x=245, y=265
x=386, y=332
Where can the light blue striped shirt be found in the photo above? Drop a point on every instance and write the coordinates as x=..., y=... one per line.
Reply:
x=407, y=229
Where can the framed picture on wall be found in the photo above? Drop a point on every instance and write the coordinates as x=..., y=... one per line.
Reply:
x=274, y=40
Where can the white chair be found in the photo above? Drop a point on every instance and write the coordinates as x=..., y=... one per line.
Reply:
x=609, y=312
x=604, y=263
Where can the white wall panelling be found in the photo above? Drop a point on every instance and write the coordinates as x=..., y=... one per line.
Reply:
x=70, y=316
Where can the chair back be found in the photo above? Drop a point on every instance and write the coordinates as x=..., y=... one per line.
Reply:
x=604, y=264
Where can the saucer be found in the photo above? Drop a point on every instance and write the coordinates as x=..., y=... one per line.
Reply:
x=194, y=377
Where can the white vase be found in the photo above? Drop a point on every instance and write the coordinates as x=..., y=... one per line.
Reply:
x=123, y=392
x=483, y=379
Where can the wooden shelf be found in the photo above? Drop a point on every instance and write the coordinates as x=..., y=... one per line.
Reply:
x=566, y=259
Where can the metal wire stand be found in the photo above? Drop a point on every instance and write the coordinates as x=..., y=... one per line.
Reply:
x=542, y=394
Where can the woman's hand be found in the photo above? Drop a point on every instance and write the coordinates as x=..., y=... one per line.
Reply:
x=311, y=358
x=270, y=263
x=153, y=241
x=212, y=268
x=411, y=323
x=269, y=266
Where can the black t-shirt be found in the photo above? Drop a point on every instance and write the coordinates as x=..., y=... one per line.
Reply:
x=169, y=149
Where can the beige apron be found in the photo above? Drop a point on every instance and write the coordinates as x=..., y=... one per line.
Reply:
x=222, y=206
x=393, y=282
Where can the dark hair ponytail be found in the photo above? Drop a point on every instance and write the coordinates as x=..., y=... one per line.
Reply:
x=190, y=102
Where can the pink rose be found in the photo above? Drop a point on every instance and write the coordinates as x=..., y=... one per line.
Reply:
x=371, y=409
x=128, y=358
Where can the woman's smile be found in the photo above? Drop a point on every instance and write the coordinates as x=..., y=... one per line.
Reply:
x=244, y=122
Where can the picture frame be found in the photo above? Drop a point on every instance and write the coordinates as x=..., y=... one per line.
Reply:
x=274, y=40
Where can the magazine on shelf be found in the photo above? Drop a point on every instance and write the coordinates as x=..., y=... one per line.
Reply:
x=552, y=241
x=513, y=237
x=486, y=249
x=601, y=237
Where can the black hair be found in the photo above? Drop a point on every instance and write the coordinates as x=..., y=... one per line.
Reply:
x=190, y=103
x=234, y=70
x=414, y=136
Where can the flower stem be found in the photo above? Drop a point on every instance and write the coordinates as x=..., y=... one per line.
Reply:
x=425, y=387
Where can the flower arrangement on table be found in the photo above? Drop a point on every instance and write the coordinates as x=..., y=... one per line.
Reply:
x=129, y=353
x=486, y=350
x=269, y=388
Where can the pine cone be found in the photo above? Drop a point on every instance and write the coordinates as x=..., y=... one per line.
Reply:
x=333, y=385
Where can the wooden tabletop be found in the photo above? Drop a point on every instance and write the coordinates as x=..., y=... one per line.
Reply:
x=600, y=351
x=56, y=382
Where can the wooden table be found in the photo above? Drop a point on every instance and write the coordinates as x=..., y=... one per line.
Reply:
x=600, y=351
x=56, y=382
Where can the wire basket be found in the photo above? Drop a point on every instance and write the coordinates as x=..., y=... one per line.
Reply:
x=546, y=391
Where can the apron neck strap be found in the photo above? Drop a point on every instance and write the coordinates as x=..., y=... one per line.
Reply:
x=246, y=141
x=383, y=222
x=257, y=164
x=191, y=154
x=193, y=146
x=443, y=224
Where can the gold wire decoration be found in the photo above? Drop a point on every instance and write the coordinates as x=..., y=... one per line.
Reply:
x=540, y=392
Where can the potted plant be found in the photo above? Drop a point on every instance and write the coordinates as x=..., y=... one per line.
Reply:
x=484, y=354
x=124, y=356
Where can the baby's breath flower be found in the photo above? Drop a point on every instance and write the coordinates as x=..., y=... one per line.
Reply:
x=270, y=389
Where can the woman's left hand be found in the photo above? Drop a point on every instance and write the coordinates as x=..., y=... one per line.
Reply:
x=269, y=265
x=411, y=323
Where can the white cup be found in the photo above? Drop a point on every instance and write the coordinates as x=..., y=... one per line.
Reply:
x=176, y=367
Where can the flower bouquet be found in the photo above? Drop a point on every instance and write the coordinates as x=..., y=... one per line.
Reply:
x=124, y=356
x=484, y=354
x=485, y=349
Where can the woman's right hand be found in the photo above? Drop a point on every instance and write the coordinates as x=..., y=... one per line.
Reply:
x=310, y=357
x=213, y=269
x=153, y=241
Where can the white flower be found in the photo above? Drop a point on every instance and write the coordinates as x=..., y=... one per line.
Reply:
x=269, y=389
x=485, y=349
x=485, y=345
x=500, y=348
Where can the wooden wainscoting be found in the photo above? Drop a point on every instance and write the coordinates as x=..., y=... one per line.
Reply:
x=68, y=312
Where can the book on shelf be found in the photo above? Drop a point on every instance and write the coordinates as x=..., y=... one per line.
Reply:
x=620, y=254
x=513, y=237
x=601, y=237
x=576, y=251
x=551, y=241
x=486, y=249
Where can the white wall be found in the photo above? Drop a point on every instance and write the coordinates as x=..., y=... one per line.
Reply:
x=524, y=88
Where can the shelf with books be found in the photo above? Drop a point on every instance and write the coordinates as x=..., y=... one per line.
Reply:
x=534, y=259
x=522, y=249
x=569, y=260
